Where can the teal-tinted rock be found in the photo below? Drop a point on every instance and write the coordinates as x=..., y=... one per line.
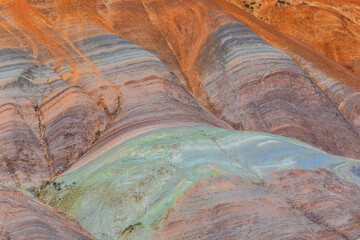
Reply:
x=124, y=190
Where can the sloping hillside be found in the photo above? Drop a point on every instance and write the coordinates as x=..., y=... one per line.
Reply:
x=182, y=119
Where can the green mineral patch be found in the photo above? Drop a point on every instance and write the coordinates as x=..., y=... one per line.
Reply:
x=125, y=190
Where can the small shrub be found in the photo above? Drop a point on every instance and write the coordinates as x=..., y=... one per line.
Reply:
x=130, y=228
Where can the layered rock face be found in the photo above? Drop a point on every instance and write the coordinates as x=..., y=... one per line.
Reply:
x=209, y=183
x=230, y=70
x=68, y=107
x=330, y=27
x=238, y=209
x=339, y=83
x=25, y=218
x=132, y=118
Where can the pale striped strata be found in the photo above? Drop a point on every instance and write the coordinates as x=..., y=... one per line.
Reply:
x=254, y=86
x=71, y=82
x=22, y=217
x=291, y=204
x=245, y=81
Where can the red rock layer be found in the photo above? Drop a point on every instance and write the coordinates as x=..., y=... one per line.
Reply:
x=309, y=202
x=339, y=83
x=35, y=66
x=246, y=82
x=22, y=217
x=134, y=19
x=52, y=47
x=70, y=78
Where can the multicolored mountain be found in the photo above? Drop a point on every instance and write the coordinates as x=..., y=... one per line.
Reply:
x=181, y=119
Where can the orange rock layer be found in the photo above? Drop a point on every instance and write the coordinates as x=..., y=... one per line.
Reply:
x=331, y=27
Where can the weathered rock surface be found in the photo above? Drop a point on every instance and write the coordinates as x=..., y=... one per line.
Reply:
x=123, y=114
x=22, y=217
x=339, y=83
x=242, y=79
x=330, y=27
x=290, y=204
x=76, y=82
x=210, y=183
x=73, y=77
